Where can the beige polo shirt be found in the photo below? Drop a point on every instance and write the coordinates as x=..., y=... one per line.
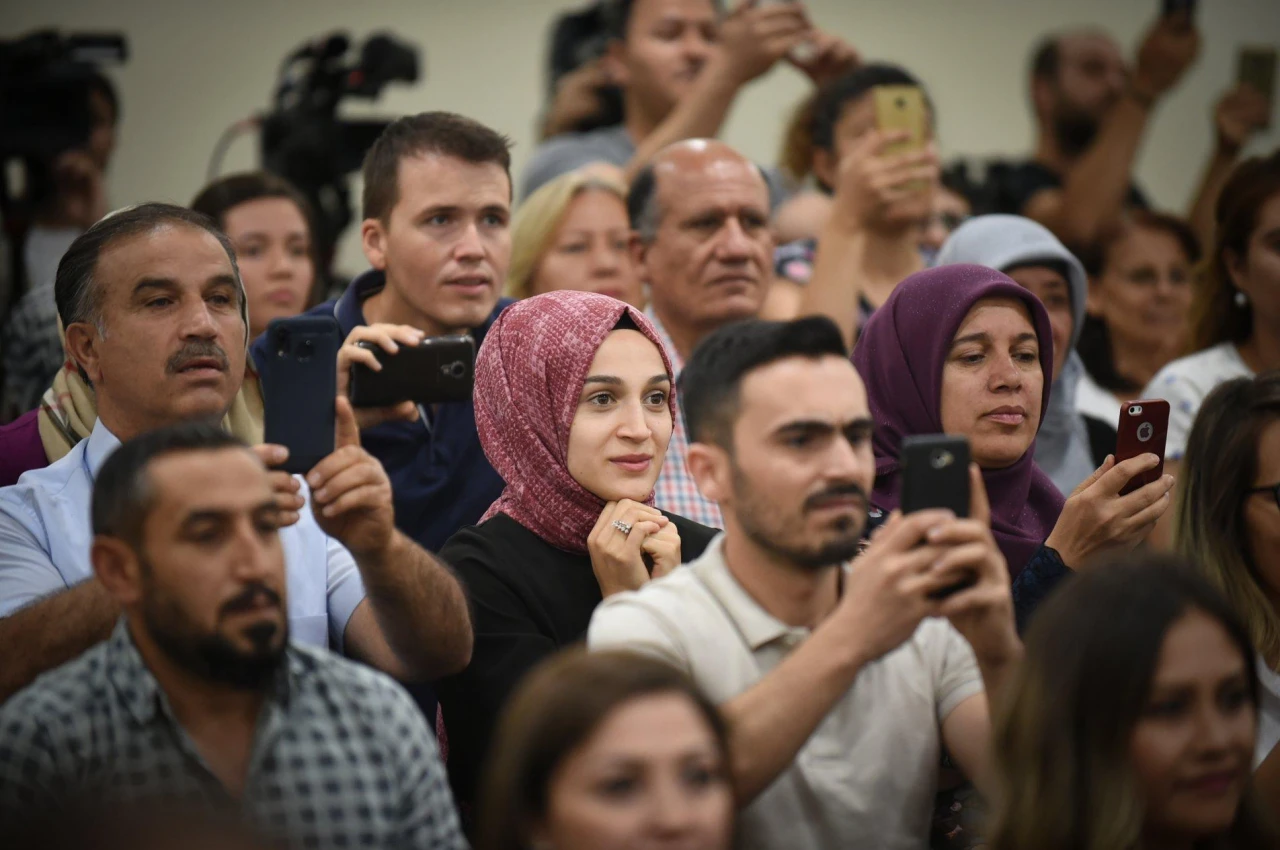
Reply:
x=868, y=774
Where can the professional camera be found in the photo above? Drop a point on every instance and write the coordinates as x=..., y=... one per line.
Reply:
x=305, y=142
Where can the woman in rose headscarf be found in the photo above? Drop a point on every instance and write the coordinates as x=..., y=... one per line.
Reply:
x=574, y=403
x=963, y=349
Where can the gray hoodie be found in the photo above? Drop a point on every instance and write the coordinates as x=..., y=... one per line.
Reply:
x=1002, y=242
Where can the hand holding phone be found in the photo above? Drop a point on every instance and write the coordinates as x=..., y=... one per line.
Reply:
x=1256, y=68
x=1143, y=428
x=435, y=371
x=300, y=387
x=935, y=474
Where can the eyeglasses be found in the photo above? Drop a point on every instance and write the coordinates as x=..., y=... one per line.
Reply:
x=1273, y=489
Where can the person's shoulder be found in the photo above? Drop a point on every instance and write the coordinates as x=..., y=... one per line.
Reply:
x=1198, y=373
x=354, y=687
x=21, y=449
x=64, y=693
x=50, y=480
x=694, y=536
x=562, y=154
x=490, y=544
x=674, y=597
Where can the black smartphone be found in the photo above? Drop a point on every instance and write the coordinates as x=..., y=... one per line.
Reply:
x=935, y=474
x=299, y=387
x=1256, y=67
x=1173, y=7
x=439, y=369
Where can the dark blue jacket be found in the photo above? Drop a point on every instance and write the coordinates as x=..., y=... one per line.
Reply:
x=440, y=478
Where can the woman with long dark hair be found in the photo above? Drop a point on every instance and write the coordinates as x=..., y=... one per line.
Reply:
x=1131, y=723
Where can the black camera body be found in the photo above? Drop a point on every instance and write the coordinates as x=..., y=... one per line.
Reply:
x=304, y=141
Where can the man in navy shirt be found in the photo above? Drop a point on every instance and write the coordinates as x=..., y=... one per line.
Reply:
x=437, y=203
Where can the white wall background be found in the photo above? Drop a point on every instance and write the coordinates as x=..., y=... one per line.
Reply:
x=198, y=66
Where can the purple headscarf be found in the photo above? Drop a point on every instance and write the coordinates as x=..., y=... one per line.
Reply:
x=900, y=356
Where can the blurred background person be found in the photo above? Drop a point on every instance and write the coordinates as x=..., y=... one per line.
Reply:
x=1235, y=311
x=608, y=751
x=1131, y=721
x=1139, y=309
x=573, y=233
x=69, y=197
x=951, y=208
x=871, y=237
x=1228, y=520
x=271, y=226
x=680, y=65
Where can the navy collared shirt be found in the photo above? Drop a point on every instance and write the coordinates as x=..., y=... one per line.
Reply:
x=441, y=480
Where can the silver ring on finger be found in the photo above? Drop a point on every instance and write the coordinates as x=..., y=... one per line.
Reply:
x=624, y=527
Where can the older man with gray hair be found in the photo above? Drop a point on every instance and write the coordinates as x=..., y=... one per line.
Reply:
x=700, y=212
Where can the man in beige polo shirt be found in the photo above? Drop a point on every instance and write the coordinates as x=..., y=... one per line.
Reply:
x=839, y=685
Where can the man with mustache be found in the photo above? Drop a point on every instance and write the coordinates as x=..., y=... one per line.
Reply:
x=198, y=697
x=840, y=682
x=680, y=65
x=1092, y=111
x=155, y=318
x=700, y=220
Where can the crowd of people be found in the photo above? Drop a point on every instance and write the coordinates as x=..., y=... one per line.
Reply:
x=654, y=584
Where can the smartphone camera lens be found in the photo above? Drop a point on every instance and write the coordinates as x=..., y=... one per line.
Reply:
x=1134, y=410
x=282, y=344
x=306, y=351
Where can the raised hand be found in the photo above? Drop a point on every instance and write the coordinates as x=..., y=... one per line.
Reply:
x=287, y=490
x=1240, y=113
x=1096, y=518
x=350, y=491
x=754, y=38
x=389, y=338
x=1168, y=50
x=874, y=186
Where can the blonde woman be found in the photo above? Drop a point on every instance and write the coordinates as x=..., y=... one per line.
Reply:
x=573, y=233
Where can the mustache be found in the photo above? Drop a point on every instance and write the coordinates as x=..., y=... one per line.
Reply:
x=252, y=597
x=838, y=492
x=196, y=350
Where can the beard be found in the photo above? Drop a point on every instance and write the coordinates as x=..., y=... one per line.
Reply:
x=213, y=656
x=1074, y=128
x=784, y=535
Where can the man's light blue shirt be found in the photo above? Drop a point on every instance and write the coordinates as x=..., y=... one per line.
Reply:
x=45, y=536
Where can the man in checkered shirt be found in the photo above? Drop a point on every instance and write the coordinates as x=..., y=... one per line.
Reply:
x=701, y=212
x=198, y=696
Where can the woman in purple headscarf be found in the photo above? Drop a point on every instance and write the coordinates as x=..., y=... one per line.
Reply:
x=963, y=349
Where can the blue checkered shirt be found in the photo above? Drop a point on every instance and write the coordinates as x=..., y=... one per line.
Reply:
x=676, y=491
x=341, y=756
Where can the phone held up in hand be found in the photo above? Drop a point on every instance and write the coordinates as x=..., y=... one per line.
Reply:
x=437, y=370
x=1143, y=427
x=299, y=388
x=1256, y=68
x=1173, y=7
x=935, y=474
x=902, y=108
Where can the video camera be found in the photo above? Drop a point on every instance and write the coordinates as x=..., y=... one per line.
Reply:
x=304, y=141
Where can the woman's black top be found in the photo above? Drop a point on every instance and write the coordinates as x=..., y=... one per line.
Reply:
x=528, y=599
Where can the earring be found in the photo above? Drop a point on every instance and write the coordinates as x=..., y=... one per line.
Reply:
x=1241, y=299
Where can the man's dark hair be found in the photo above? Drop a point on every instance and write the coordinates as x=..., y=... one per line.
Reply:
x=122, y=496
x=618, y=15
x=76, y=294
x=834, y=97
x=642, y=203
x=711, y=382
x=1046, y=58
x=440, y=133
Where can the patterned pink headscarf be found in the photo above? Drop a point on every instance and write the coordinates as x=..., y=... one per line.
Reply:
x=529, y=376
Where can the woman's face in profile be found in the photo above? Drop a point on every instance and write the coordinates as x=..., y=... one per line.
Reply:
x=1192, y=747
x=273, y=251
x=591, y=251
x=1262, y=512
x=623, y=423
x=652, y=775
x=992, y=382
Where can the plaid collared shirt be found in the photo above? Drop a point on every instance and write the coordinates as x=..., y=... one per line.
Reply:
x=676, y=490
x=341, y=756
